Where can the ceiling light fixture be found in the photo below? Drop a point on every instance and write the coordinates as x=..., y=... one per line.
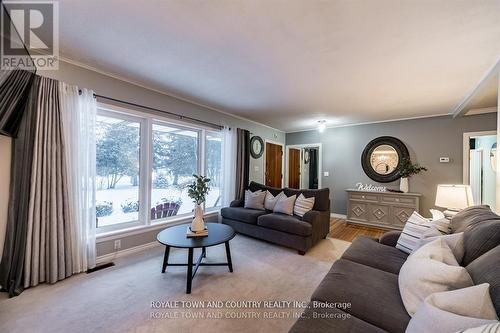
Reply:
x=321, y=125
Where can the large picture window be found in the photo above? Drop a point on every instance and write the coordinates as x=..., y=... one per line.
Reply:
x=144, y=164
x=117, y=167
x=175, y=160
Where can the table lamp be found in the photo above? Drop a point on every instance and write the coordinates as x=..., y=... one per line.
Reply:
x=453, y=198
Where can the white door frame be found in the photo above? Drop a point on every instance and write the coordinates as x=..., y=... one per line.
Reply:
x=320, y=159
x=282, y=161
x=465, y=153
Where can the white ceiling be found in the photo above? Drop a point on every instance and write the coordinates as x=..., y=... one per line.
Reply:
x=290, y=63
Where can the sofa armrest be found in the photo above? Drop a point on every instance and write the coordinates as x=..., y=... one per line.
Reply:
x=390, y=238
x=236, y=203
x=320, y=221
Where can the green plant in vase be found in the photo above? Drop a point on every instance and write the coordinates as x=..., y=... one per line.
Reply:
x=407, y=169
x=198, y=191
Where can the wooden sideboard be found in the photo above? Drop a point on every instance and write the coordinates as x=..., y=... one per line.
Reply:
x=386, y=210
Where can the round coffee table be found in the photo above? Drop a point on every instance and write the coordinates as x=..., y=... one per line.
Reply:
x=176, y=237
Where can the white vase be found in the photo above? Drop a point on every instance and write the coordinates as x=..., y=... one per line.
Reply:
x=403, y=184
x=198, y=224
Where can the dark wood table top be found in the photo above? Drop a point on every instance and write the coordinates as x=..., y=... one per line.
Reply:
x=175, y=236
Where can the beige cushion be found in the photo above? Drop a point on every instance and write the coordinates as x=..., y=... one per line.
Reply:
x=284, y=205
x=453, y=311
x=271, y=200
x=430, y=269
x=303, y=205
x=254, y=200
x=454, y=241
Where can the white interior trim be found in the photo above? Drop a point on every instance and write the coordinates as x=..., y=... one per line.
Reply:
x=460, y=109
x=338, y=216
x=473, y=112
x=371, y=122
x=135, y=83
x=122, y=253
x=320, y=160
x=465, y=152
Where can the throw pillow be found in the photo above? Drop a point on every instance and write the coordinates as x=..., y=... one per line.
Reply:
x=254, y=200
x=303, y=205
x=452, y=311
x=412, y=232
x=271, y=200
x=454, y=241
x=490, y=328
x=284, y=205
x=430, y=269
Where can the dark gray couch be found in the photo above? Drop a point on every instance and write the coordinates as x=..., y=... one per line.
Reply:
x=291, y=231
x=367, y=277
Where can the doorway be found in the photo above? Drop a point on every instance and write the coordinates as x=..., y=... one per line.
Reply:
x=303, y=166
x=273, y=164
x=480, y=166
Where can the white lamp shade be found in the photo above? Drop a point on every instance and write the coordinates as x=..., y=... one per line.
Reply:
x=454, y=197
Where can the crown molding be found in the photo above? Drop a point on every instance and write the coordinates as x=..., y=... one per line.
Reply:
x=373, y=122
x=162, y=92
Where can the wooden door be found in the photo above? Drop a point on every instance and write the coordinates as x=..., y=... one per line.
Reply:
x=274, y=155
x=294, y=168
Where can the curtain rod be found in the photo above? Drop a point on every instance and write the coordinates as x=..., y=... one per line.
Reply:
x=181, y=117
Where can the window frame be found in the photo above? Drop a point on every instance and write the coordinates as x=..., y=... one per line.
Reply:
x=147, y=120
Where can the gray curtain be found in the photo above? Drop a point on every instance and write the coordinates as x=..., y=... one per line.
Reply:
x=242, y=162
x=12, y=264
x=38, y=243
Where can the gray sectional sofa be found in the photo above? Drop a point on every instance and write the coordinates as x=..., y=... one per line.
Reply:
x=366, y=276
x=290, y=231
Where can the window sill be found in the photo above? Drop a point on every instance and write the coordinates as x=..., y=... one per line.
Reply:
x=111, y=235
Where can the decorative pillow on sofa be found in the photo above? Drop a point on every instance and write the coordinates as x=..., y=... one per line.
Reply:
x=490, y=328
x=285, y=205
x=254, y=200
x=303, y=205
x=415, y=228
x=454, y=241
x=453, y=311
x=430, y=269
x=271, y=200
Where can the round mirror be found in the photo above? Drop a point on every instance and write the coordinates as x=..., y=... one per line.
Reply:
x=381, y=158
x=384, y=159
x=493, y=157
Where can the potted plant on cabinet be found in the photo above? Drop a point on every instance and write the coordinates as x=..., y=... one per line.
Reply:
x=407, y=169
x=197, y=191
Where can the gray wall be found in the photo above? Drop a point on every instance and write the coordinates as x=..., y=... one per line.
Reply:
x=112, y=87
x=427, y=139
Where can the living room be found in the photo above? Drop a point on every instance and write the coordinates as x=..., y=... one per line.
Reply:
x=253, y=166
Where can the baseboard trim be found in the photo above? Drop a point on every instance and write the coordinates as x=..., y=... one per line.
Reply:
x=122, y=253
x=338, y=216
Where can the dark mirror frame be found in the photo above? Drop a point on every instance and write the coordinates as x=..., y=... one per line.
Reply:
x=395, y=143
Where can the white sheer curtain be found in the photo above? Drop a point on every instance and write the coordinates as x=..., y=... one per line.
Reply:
x=78, y=109
x=229, y=166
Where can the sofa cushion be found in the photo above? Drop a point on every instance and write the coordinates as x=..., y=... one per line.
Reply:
x=367, y=251
x=253, y=186
x=471, y=216
x=323, y=320
x=486, y=269
x=480, y=238
x=242, y=214
x=285, y=223
x=322, y=197
x=373, y=294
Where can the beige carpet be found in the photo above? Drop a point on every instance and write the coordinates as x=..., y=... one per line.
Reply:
x=118, y=299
